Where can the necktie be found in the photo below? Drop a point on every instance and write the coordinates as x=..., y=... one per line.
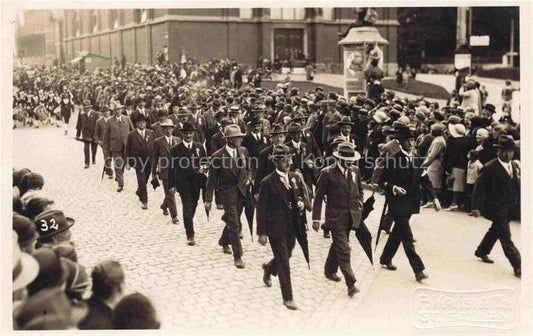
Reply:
x=285, y=181
x=170, y=142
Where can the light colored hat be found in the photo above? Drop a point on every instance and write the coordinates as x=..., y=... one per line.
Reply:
x=346, y=151
x=457, y=130
x=380, y=117
x=167, y=123
x=25, y=267
x=233, y=131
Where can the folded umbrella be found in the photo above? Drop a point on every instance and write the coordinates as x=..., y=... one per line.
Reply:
x=249, y=211
x=381, y=223
x=365, y=240
x=301, y=237
x=368, y=206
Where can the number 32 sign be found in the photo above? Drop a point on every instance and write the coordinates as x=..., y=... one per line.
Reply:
x=50, y=225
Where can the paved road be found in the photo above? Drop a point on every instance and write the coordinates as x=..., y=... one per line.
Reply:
x=198, y=287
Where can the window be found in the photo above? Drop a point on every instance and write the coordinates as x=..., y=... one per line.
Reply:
x=113, y=19
x=328, y=13
x=287, y=13
x=94, y=21
x=246, y=13
x=141, y=15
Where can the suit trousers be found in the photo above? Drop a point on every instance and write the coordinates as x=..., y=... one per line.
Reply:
x=142, y=179
x=339, y=254
x=232, y=218
x=500, y=230
x=108, y=163
x=189, y=202
x=170, y=200
x=93, y=147
x=401, y=233
x=279, y=265
x=119, y=163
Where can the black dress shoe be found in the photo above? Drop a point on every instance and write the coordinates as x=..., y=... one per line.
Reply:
x=333, y=277
x=190, y=241
x=484, y=258
x=86, y=166
x=266, y=276
x=326, y=234
x=120, y=188
x=389, y=266
x=94, y=162
x=226, y=249
x=165, y=210
x=518, y=272
x=220, y=206
x=144, y=206
x=420, y=276
x=239, y=263
x=110, y=176
x=352, y=291
x=290, y=304
x=175, y=220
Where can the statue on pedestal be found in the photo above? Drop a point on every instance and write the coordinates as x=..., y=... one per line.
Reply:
x=364, y=16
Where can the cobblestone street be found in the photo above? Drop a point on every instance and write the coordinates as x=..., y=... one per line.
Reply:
x=191, y=286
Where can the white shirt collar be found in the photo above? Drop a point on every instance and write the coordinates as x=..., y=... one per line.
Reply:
x=141, y=132
x=282, y=174
x=296, y=144
x=506, y=165
x=231, y=151
x=343, y=170
x=169, y=138
x=187, y=144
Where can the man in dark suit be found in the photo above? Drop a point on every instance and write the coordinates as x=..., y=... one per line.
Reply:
x=307, y=136
x=85, y=127
x=115, y=135
x=99, y=138
x=401, y=178
x=140, y=108
x=344, y=129
x=303, y=157
x=264, y=164
x=230, y=172
x=198, y=122
x=254, y=142
x=280, y=210
x=156, y=127
x=217, y=140
x=235, y=115
x=162, y=165
x=187, y=176
x=210, y=123
x=138, y=153
x=341, y=184
x=497, y=196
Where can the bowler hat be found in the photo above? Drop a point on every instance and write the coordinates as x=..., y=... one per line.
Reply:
x=505, y=142
x=232, y=131
x=25, y=228
x=400, y=131
x=346, y=151
x=87, y=103
x=137, y=117
x=254, y=121
x=277, y=129
x=489, y=107
x=345, y=121
x=295, y=128
x=187, y=127
x=51, y=222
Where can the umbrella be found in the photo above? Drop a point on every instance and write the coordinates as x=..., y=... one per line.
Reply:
x=301, y=237
x=207, y=213
x=155, y=182
x=249, y=211
x=381, y=220
x=368, y=206
x=365, y=240
x=103, y=171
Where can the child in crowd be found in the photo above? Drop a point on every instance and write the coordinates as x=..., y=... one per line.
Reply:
x=472, y=174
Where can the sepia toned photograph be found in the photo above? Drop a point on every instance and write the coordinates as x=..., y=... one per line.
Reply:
x=246, y=169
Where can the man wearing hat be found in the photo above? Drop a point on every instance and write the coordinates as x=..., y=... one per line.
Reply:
x=496, y=196
x=278, y=113
x=54, y=232
x=85, y=126
x=341, y=184
x=235, y=115
x=344, y=126
x=187, y=176
x=280, y=216
x=179, y=118
x=303, y=158
x=25, y=270
x=26, y=231
x=254, y=141
x=114, y=142
x=217, y=140
x=307, y=136
x=197, y=121
x=210, y=122
x=231, y=174
x=161, y=165
x=140, y=108
x=265, y=166
x=401, y=178
x=138, y=153
x=99, y=137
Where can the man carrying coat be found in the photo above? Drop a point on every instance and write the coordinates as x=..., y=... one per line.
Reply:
x=231, y=174
x=341, y=184
x=138, y=153
x=85, y=127
x=187, y=175
x=497, y=196
x=115, y=135
x=401, y=178
x=162, y=165
x=280, y=212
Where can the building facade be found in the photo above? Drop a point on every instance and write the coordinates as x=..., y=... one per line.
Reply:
x=242, y=34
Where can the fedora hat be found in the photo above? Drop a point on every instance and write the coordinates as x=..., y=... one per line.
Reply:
x=280, y=151
x=25, y=267
x=24, y=228
x=137, y=117
x=187, y=127
x=51, y=222
x=52, y=273
x=295, y=128
x=277, y=129
x=299, y=116
x=183, y=111
x=346, y=151
x=226, y=122
x=345, y=121
x=505, y=142
x=336, y=141
x=457, y=130
x=167, y=123
x=87, y=103
x=401, y=131
x=380, y=117
x=234, y=109
x=254, y=121
x=233, y=131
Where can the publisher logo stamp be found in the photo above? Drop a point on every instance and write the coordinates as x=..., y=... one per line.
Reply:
x=435, y=308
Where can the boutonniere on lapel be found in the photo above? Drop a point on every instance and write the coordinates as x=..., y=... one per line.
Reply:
x=294, y=185
x=265, y=140
x=353, y=176
x=197, y=151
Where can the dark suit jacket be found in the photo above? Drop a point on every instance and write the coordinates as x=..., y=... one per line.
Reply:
x=217, y=141
x=264, y=167
x=86, y=126
x=496, y=194
x=116, y=134
x=224, y=174
x=161, y=156
x=399, y=171
x=158, y=130
x=276, y=208
x=139, y=148
x=137, y=112
x=184, y=176
x=345, y=198
x=99, y=129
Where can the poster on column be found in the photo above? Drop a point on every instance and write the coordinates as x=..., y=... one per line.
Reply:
x=354, y=61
